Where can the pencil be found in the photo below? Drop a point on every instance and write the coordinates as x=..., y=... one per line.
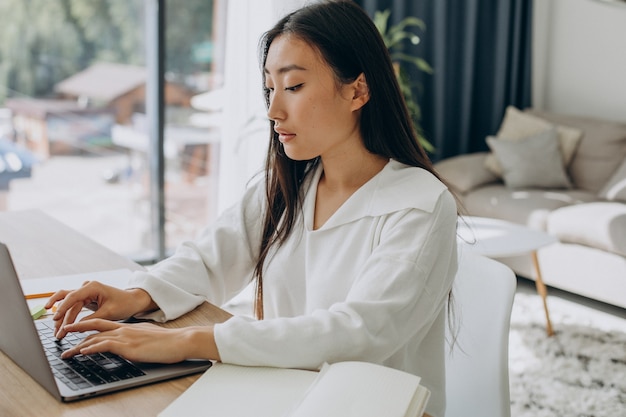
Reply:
x=41, y=295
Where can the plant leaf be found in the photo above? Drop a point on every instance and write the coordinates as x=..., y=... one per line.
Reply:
x=420, y=63
x=410, y=21
x=397, y=37
x=393, y=35
x=380, y=21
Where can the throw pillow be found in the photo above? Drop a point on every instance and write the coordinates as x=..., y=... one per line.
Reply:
x=615, y=188
x=518, y=125
x=533, y=162
x=465, y=172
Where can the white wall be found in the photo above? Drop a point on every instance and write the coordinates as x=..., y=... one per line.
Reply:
x=579, y=58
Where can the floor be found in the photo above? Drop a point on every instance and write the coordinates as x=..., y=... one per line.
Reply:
x=601, y=315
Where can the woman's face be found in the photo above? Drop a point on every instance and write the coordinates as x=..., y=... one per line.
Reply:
x=313, y=115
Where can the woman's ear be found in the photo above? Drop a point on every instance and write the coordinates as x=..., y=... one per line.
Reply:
x=361, y=92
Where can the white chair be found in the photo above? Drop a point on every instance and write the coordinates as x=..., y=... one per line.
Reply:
x=477, y=368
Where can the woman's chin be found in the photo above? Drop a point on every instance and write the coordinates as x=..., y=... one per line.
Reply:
x=294, y=155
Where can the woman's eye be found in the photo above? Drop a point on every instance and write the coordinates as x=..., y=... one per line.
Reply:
x=295, y=87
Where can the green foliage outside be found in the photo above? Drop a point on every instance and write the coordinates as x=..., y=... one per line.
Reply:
x=43, y=42
x=394, y=37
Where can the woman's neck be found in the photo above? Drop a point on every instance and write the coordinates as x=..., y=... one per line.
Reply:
x=340, y=179
x=351, y=172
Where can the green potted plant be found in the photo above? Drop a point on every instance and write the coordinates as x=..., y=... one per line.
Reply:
x=393, y=36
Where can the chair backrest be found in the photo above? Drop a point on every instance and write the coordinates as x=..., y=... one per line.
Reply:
x=477, y=368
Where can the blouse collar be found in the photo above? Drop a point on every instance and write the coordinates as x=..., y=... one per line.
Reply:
x=396, y=187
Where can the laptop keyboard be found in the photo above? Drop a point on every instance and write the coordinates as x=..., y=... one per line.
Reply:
x=82, y=371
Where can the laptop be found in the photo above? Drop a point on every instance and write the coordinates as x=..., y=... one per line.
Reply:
x=32, y=346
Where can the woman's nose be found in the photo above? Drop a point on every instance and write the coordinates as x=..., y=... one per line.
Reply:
x=275, y=110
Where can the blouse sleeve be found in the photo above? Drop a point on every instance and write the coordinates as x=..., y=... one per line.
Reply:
x=397, y=296
x=213, y=268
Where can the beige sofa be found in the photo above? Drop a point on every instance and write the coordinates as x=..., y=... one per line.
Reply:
x=577, y=194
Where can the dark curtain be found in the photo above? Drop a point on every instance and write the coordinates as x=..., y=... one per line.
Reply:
x=480, y=51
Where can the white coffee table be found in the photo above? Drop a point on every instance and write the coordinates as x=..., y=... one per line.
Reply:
x=496, y=238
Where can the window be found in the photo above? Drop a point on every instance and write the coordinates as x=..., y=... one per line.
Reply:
x=81, y=119
x=74, y=131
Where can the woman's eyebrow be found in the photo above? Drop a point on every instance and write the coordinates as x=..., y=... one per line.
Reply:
x=282, y=70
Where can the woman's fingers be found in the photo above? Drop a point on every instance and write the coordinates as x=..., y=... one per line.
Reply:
x=70, y=317
x=57, y=296
x=105, y=301
x=143, y=342
x=99, y=325
x=82, y=296
x=71, y=305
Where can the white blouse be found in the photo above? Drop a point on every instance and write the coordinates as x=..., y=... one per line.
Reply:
x=371, y=284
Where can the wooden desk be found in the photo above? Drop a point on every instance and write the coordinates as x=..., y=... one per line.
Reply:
x=41, y=246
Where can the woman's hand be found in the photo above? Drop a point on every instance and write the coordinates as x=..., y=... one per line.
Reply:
x=144, y=342
x=107, y=303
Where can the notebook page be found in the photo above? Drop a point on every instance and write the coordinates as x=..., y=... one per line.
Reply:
x=240, y=391
x=358, y=389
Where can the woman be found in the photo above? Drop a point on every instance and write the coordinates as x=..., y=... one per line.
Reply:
x=355, y=253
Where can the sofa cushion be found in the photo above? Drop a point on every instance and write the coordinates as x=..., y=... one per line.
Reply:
x=615, y=188
x=465, y=172
x=532, y=162
x=528, y=207
x=601, y=150
x=599, y=225
x=518, y=125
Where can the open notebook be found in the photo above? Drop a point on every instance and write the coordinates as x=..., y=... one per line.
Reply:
x=342, y=389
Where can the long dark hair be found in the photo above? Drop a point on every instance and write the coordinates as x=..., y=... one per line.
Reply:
x=351, y=45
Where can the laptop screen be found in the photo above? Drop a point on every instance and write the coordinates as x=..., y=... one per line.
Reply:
x=20, y=340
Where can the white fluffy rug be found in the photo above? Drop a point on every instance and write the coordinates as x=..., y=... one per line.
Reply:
x=579, y=372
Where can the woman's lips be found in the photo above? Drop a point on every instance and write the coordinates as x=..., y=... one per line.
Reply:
x=284, y=137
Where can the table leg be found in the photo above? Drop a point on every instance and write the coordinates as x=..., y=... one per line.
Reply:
x=543, y=292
